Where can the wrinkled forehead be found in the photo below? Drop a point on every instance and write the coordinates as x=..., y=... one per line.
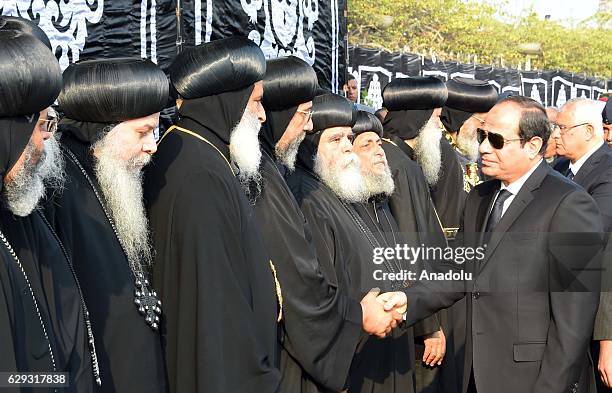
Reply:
x=336, y=132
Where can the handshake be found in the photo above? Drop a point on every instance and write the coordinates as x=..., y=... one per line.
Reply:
x=383, y=312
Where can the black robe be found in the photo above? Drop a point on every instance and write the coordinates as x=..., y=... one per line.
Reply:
x=212, y=270
x=413, y=209
x=346, y=253
x=41, y=255
x=321, y=326
x=129, y=351
x=26, y=334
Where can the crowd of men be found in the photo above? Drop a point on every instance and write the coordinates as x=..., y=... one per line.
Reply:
x=240, y=252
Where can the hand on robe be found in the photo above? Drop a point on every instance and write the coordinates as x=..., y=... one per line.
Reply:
x=435, y=348
x=394, y=301
x=377, y=320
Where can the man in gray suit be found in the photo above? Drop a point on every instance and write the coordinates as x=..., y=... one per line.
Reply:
x=579, y=131
x=533, y=296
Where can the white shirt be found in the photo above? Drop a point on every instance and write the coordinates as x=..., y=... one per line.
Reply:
x=515, y=187
x=575, y=167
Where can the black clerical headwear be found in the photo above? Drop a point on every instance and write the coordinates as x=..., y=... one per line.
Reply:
x=411, y=102
x=465, y=97
x=289, y=82
x=98, y=93
x=606, y=114
x=367, y=122
x=329, y=110
x=31, y=80
x=215, y=80
x=25, y=26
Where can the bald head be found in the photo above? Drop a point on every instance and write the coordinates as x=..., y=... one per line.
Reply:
x=579, y=128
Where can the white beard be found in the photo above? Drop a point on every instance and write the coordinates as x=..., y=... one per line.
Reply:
x=288, y=155
x=24, y=192
x=345, y=181
x=121, y=184
x=468, y=145
x=379, y=184
x=428, y=152
x=246, y=153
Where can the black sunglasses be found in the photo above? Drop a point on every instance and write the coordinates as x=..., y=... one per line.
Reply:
x=496, y=140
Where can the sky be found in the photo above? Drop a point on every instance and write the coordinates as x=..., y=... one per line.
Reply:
x=558, y=9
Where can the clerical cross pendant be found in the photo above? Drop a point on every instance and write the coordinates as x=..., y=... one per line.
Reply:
x=146, y=301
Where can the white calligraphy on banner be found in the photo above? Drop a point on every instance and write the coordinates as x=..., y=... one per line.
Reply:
x=65, y=22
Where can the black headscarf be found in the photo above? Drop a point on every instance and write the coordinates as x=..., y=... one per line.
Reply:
x=410, y=103
x=25, y=26
x=289, y=82
x=465, y=97
x=99, y=93
x=367, y=122
x=215, y=80
x=329, y=110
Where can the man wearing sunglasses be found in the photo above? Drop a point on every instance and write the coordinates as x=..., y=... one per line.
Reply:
x=534, y=295
x=588, y=162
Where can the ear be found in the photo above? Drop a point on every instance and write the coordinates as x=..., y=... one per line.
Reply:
x=534, y=145
x=590, y=130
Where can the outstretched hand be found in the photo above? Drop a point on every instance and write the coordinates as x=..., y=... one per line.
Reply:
x=377, y=320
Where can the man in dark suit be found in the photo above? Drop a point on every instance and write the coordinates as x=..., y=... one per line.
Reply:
x=533, y=295
x=579, y=131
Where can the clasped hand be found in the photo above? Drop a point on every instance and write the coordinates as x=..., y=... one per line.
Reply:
x=383, y=312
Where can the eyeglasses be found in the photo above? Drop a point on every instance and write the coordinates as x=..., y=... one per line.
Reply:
x=497, y=141
x=478, y=118
x=49, y=125
x=308, y=114
x=563, y=129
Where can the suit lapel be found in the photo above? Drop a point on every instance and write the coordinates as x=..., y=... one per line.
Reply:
x=518, y=205
x=590, y=164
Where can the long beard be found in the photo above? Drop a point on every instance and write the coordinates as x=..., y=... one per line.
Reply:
x=288, y=154
x=121, y=185
x=343, y=178
x=39, y=174
x=246, y=154
x=468, y=145
x=376, y=184
x=428, y=152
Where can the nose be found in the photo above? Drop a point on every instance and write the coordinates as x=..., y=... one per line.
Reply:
x=556, y=134
x=347, y=146
x=380, y=152
x=485, y=147
x=308, y=126
x=46, y=135
x=150, y=146
x=261, y=113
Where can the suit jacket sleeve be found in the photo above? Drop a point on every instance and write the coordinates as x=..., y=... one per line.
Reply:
x=574, y=303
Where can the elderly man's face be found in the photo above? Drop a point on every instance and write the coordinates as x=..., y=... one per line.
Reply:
x=254, y=104
x=42, y=131
x=351, y=90
x=335, y=147
x=300, y=124
x=572, y=135
x=514, y=159
x=368, y=147
x=608, y=133
x=133, y=140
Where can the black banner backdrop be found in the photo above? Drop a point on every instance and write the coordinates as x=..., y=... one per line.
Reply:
x=373, y=68
x=314, y=30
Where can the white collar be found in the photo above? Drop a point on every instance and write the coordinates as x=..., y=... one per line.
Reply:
x=575, y=167
x=516, y=185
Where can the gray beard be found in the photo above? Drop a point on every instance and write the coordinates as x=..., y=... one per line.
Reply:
x=23, y=193
x=379, y=184
x=288, y=155
x=121, y=185
x=347, y=184
x=469, y=146
x=428, y=153
x=246, y=154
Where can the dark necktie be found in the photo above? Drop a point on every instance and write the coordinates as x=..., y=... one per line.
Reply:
x=570, y=174
x=496, y=212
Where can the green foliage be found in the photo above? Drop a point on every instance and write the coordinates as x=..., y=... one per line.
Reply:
x=454, y=29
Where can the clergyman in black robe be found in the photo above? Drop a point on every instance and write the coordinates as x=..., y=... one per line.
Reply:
x=215, y=276
x=468, y=102
x=383, y=232
x=321, y=324
x=326, y=181
x=111, y=109
x=49, y=315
